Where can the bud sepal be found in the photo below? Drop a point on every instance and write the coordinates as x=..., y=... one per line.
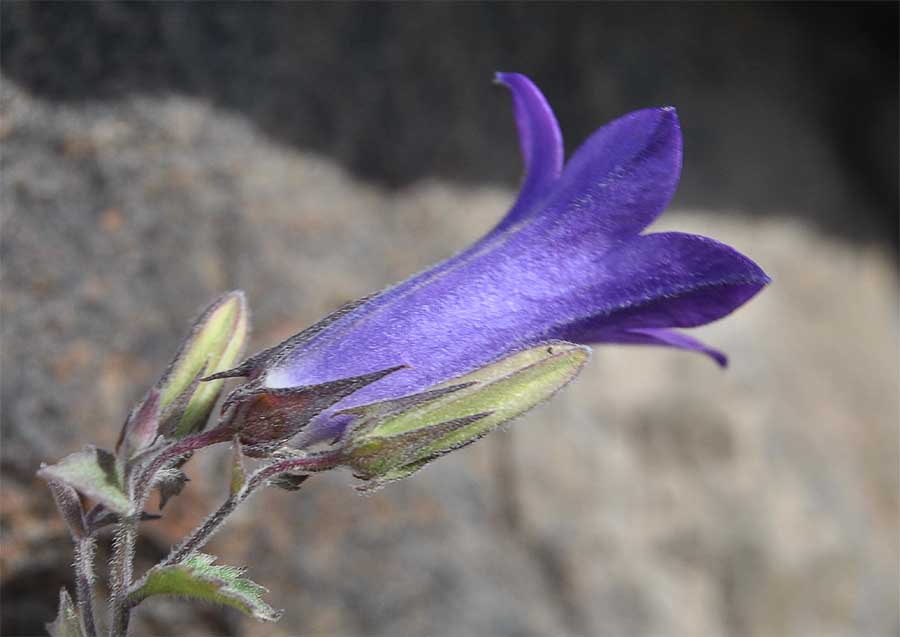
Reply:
x=391, y=440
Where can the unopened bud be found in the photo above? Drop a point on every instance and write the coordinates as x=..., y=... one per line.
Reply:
x=215, y=344
x=392, y=439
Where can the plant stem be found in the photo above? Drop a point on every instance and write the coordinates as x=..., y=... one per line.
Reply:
x=144, y=481
x=84, y=583
x=122, y=568
x=201, y=535
x=121, y=572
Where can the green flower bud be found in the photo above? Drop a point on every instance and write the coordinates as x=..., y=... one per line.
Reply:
x=392, y=439
x=215, y=344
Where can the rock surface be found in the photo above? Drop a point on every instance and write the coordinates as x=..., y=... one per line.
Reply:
x=786, y=106
x=656, y=496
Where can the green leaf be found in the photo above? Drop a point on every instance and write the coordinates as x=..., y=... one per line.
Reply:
x=197, y=578
x=67, y=622
x=215, y=344
x=394, y=438
x=92, y=472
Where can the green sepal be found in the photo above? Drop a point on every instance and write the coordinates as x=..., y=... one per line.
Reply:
x=376, y=456
x=197, y=578
x=94, y=473
x=392, y=439
x=68, y=621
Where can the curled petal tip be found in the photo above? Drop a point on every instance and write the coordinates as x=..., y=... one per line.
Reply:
x=671, y=114
x=720, y=358
x=522, y=85
x=540, y=141
x=504, y=77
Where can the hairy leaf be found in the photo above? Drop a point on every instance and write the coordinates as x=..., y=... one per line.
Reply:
x=67, y=622
x=198, y=578
x=92, y=472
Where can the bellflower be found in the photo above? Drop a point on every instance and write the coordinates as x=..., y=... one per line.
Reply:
x=417, y=371
x=568, y=262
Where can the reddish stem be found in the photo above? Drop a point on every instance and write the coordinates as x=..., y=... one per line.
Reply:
x=201, y=535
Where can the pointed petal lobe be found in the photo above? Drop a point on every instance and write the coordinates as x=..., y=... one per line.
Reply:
x=617, y=182
x=663, y=280
x=660, y=336
x=541, y=142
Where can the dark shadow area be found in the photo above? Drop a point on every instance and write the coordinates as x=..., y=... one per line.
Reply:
x=787, y=108
x=34, y=594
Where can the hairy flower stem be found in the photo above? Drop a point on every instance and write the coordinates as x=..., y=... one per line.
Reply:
x=84, y=583
x=145, y=479
x=121, y=571
x=201, y=535
x=122, y=567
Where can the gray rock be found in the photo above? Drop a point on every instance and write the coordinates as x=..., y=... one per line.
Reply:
x=656, y=496
x=787, y=107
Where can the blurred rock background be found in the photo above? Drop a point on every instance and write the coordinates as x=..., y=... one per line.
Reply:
x=154, y=155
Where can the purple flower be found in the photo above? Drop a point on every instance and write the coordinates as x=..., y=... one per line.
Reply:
x=567, y=262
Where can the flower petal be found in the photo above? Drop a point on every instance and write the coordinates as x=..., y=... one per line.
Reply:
x=566, y=263
x=618, y=181
x=541, y=142
x=575, y=233
x=667, y=279
x=659, y=336
x=515, y=295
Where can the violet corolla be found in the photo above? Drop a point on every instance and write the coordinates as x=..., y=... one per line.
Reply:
x=567, y=263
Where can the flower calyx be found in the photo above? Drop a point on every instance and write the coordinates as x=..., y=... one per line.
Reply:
x=392, y=439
